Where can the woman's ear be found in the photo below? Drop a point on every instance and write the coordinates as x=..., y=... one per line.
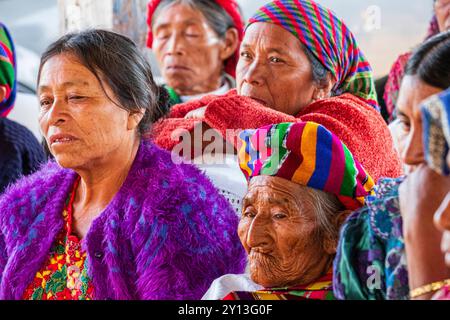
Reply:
x=2, y=93
x=134, y=119
x=341, y=217
x=331, y=241
x=231, y=43
x=323, y=89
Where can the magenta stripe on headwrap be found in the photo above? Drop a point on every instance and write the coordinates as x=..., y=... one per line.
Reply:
x=336, y=175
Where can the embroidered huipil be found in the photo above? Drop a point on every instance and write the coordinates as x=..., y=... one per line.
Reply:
x=64, y=275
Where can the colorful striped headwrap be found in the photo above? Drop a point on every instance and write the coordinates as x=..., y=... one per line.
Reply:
x=308, y=154
x=436, y=131
x=230, y=6
x=328, y=39
x=7, y=71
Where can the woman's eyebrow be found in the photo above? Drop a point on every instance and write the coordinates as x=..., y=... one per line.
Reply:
x=277, y=50
x=188, y=22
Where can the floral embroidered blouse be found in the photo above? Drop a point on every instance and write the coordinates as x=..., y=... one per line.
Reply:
x=64, y=275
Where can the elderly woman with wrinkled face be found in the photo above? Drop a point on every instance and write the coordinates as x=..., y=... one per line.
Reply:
x=196, y=45
x=303, y=182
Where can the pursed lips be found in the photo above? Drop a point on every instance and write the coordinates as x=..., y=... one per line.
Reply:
x=61, y=138
x=176, y=67
x=259, y=251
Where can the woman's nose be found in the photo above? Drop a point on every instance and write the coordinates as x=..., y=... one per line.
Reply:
x=442, y=215
x=413, y=153
x=56, y=113
x=175, y=45
x=254, y=74
x=258, y=234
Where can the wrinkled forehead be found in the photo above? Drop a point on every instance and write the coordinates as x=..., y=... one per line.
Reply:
x=270, y=36
x=178, y=13
x=265, y=188
x=66, y=70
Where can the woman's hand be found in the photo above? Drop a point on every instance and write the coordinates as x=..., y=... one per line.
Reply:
x=421, y=194
x=196, y=114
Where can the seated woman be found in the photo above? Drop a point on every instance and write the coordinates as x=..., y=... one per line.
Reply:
x=196, y=44
x=442, y=215
x=20, y=152
x=371, y=262
x=294, y=68
x=114, y=217
x=424, y=194
x=303, y=182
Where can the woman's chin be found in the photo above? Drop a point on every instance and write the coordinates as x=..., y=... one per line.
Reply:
x=67, y=161
x=266, y=278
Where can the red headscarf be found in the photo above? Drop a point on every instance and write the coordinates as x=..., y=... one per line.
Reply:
x=230, y=6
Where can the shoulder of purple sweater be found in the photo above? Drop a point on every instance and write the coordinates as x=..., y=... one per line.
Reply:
x=182, y=219
x=31, y=190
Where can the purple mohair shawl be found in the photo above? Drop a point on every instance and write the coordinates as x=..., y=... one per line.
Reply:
x=166, y=235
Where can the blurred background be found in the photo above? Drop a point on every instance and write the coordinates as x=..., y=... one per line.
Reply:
x=383, y=28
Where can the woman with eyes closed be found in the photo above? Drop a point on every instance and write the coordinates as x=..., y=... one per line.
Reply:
x=114, y=217
x=196, y=44
x=298, y=62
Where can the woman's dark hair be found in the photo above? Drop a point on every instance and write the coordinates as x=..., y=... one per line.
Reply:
x=115, y=60
x=318, y=69
x=430, y=62
x=319, y=72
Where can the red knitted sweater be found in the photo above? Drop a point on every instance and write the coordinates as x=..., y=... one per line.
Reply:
x=357, y=124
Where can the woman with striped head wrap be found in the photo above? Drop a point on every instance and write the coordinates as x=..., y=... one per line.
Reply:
x=303, y=182
x=20, y=152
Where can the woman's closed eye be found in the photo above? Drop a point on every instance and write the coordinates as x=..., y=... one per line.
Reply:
x=192, y=35
x=162, y=34
x=77, y=98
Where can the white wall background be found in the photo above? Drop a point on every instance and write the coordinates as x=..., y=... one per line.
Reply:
x=34, y=24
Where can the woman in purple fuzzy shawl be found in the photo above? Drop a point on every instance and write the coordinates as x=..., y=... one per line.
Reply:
x=114, y=217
